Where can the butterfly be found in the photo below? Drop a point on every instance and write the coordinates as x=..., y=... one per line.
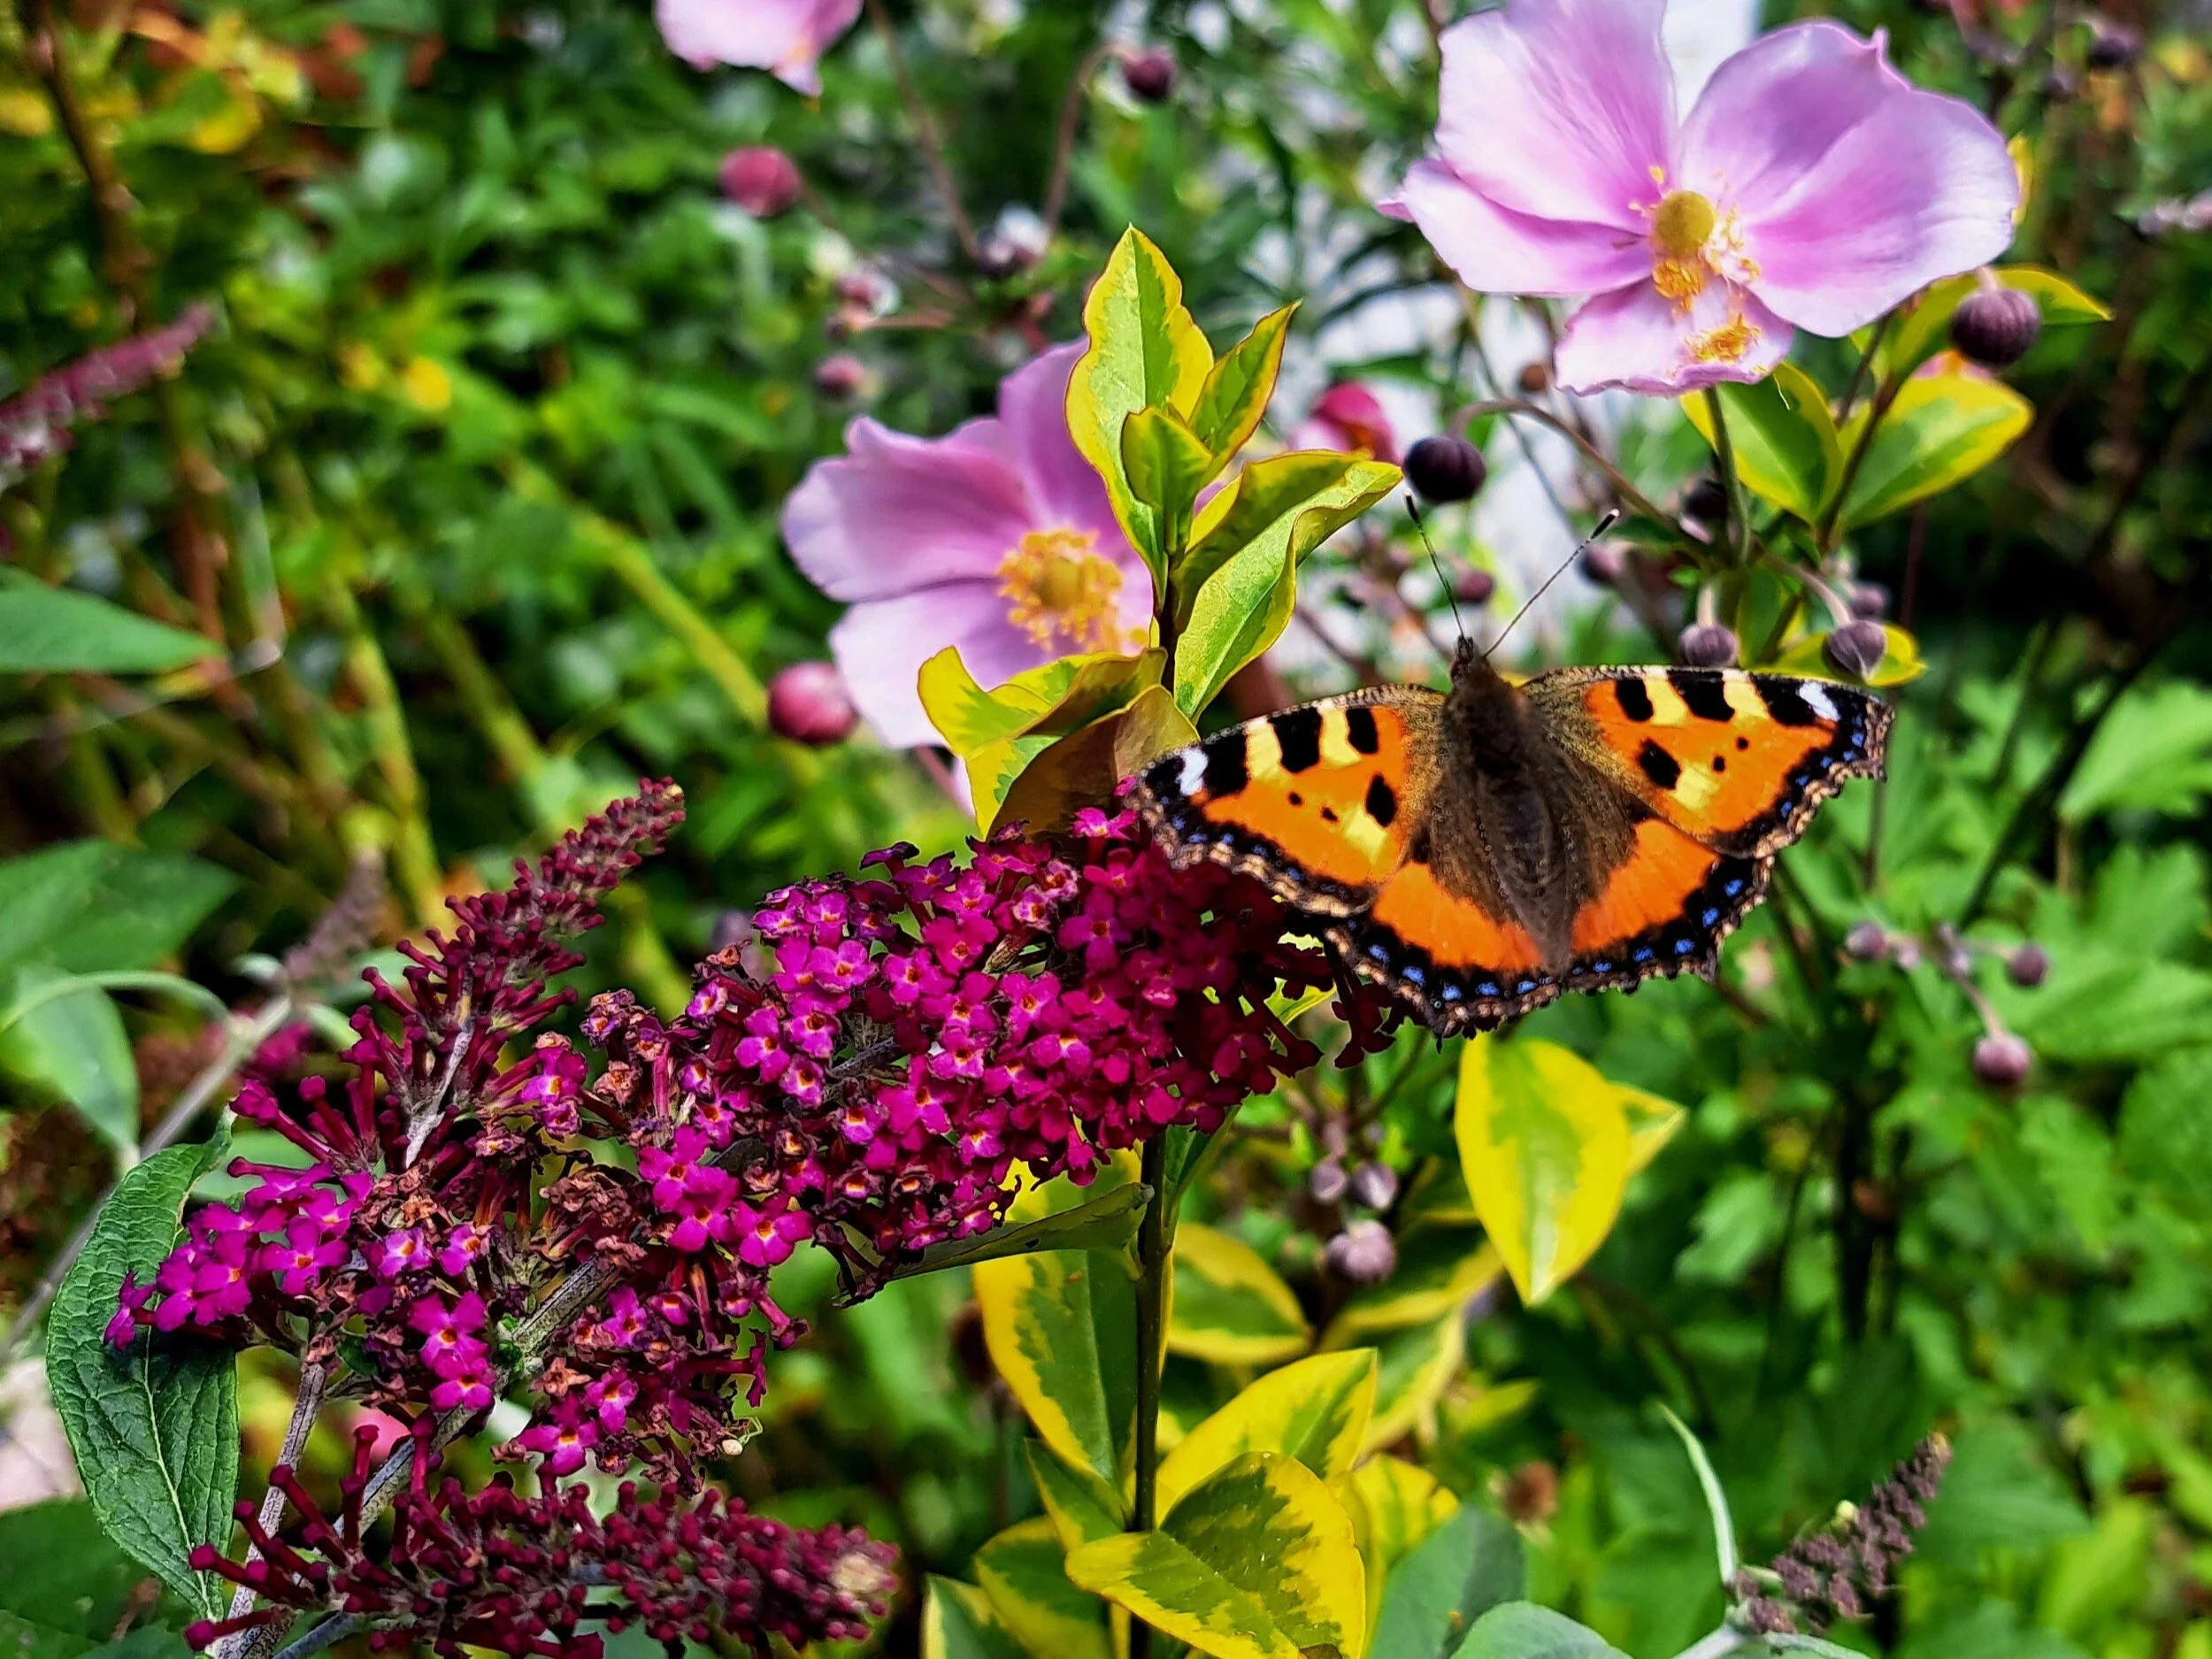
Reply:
x=1478, y=851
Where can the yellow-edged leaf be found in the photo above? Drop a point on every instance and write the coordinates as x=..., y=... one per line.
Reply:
x=1544, y=1142
x=1413, y=1369
x=959, y=1622
x=1234, y=398
x=1652, y=1122
x=1316, y=1410
x=1231, y=1307
x=1783, y=435
x=1940, y=431
x=1080, y=1505
x=1394, y=1505
x=1023, y=1571
x=1440, y=1266
x=1900, y=662
x=1259, y=1562
x=1922, y=331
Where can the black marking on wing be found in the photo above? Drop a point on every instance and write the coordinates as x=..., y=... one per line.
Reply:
x=1703, y=691
x=1299, y=732
x=1359, y=729
x=1382, y=801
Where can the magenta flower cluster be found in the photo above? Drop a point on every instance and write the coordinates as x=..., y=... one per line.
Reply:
x=495, y=1569
x=34, y=425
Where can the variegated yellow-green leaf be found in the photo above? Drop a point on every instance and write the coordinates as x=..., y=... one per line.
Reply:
x=1413, y=1367
x=1393, y=1505
x=1145, y=353
x=1259, y=1562
x=1022, y=1572
x=1316, y=1410
x=959, y=1622
x=1900, y=662
x=1231, y=1307
x=1940, y=431
x=1057, y=777
x=1478, y=1407
x=1544, y=1142
x=1440, y=1266
x=1783, y=435
x=1080, y=1505
x=1234, y=398
x=1167, y=466
x=1921, y=331
x=1652, y=1122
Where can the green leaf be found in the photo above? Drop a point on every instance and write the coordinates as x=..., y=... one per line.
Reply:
x=1716, y=1500
x=1522, y=1630
x=1785, y=440
x=1055, y=777
x=1925, y=330
x=53, y=630
x=1081, y=1505
x=63, y=1572
x=1022, y=1570
x=73, y=1045
x=1470, y=1565
x=1316, y=1410
x=90, y=905
x=1901, y=663
x=1438, y=1268
x=1145, y=353
x=1413, y=1367
x=1394, y=1505
x=1167, y=466
x=1235, y=590
x=1940, y=431
x=1230, y=1306
x=1259, y=1562
x=2153, y=753
x=959, y=1622
x=1106, y=1223
x=154, y=1426
x=1544, y=1143
x=1235, y=396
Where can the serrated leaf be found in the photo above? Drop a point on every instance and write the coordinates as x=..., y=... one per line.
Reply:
x=1259, y=1562
x=1522, y=1630
x=1784, y=437
x=1235, y=396
x=1231, y=1307
x=1940, y=431
x=1316, y=1410
x=55, y=630
x=154, y=1426
x=1544, y=1144
x=1021, y=1570
x=1470, y=1565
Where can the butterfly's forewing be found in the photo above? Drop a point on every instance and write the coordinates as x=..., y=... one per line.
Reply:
x=1319, y=803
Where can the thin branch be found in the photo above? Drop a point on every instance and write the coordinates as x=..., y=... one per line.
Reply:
x=1865, y=366
x=306, y=1406
x=925, y=129
x=1064, y=144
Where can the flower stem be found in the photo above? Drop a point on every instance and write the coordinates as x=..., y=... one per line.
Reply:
x=1152, y=1251
x=1064, y=145
x=1884, y=395
x=924, y=129
x=306, y=1407
x=1725, y=451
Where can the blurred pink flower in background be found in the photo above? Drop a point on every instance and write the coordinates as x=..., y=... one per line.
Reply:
x=1811, y=187
x=997, y=538
x=786, y=37
x=1348, y=417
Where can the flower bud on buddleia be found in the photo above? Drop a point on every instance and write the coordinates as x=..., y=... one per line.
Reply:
x=1375, y=1185
x=1443, y=469
x=763, y=181
x=808, y=703
x=1857, y=648
x=1709, y=645
x=2028, y=966
x=1327, y=1182
x=1365, y=1253
x=1994, y=326
x=2002, y=1060
x=1149, y=74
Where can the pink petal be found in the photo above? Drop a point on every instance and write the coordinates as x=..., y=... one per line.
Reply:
x=1033, y=406
x=897, y=513
x=1496, y=250
x=881, y=645
x=1560, y=108
x=785, y=36
x=1855, y=187
x=1637, y=340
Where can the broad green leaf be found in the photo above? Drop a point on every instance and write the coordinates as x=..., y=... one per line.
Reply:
x=1167, y=466
x=154, y=1425
x=1413, y=1367
x=1468, y=1565
x=53, y=630
x=1716, y=1500
x=1259, y=1562
x=1054, y=698
x=62, y=1572
x=1145, y=353
x=1235, y=591
x=1900, y=662
x=1080, y=1505
x=2153, y=754
x=89, y=906
x=1234, y=398
x=959, y=1622
x=1393, y=1506
x=1231, y=1307
x=1784, y=437
x=1940, y=431
x=1021, y=1571
x=1438, y=1268
x=1522, y=1630
x=1925, y=330
x=73, y=1046
x=1544, y=1143
x=1316, y=1410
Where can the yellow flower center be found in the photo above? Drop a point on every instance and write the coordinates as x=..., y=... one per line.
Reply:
x=1681, y=226
x=1726, y=343
x=1062, y=593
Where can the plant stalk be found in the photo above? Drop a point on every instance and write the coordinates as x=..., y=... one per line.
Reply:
x=1152, y=1251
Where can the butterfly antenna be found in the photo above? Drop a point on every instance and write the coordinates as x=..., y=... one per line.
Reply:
x=1581, y=547
x=1450, y=596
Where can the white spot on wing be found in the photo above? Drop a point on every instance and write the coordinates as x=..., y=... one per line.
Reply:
x=1819, y=701
x=1194, y=772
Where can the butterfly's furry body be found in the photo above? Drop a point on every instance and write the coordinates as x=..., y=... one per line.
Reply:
x=1483, y=849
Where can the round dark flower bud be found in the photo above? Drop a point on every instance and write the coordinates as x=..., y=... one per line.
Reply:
x=1446, y=469
x=763, y=181
x=2113, y=46
x=1995, y=327
x=1326, y=1181
x=1375, y=1185
x=1475, y=587
x=1605, y=565
x=808, y=703
x=2001, y=1059
x=1706, y=500
x=1534, y=378
x=1149, y=74
x=2028, y=966
x=1365, y=1253
x=1869, y=601
x=1709, y=645
x=1866, y=943
x=1857, y=648
x=841, y=376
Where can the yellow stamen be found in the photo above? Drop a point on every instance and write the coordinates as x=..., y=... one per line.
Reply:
x=1727, y=344
x=1682, y=223
x=1062, y=592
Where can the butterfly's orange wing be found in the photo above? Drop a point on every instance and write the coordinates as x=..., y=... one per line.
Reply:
x=1319, y=803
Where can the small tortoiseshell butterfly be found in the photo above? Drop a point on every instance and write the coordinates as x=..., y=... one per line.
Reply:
x=1479, y=851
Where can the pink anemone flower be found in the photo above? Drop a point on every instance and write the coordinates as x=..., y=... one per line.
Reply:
x=1349, y=417
x=997, y=538
x=1812, y=187
x=784, y=37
